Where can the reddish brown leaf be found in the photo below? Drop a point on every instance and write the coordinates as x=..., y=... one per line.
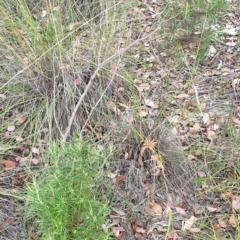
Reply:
x=173, y=235
x=8, y=164
x=35, y=161
x=34, y=236
x=9, y=221
x=120, y=179
x=228, y=195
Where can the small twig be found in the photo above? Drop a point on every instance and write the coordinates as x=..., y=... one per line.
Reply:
x=10, y=195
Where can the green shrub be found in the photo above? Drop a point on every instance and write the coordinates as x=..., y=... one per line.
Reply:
x=63, y=202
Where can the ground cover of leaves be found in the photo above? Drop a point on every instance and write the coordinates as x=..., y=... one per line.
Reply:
x=161, y=200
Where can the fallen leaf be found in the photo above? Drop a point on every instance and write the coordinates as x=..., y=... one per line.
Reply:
x=72, y=25
x=78, y=81
x=8, y=164
x=149, y=103
x=18, y=139
x=43, y=14
x=35, y=150
x=21, y=120
x=181, y=211
x=9, y=221
x=113, y=107
x=211, y=209
x=227, y=195
x=173, y=235
x=143, y=113
x=120, y=179
x=233, y=221
x=143, y=87
x=34, y=236
x=198, y=210
x=118, y=211
x=127, y=34
x=111, y=175
x=121, y=237
x=197, y=127
x=236, y=120
x=236, y=203
x=231, y=44
x=211, y=135
x=140, y=230
x=211, y=51
x=3, y=97
x=216, y=226
x=11, y=128
x=148, y=209
x=195, y=230
x=205, y=118
x=23, y=160
x=230, y=30
x=156, y=208
x=212, y=73
x=183, y=96
x=201, y=174
x=117, y=230
x=35, y=161
x=188, y=224
x=222, y=223
x=139, y=222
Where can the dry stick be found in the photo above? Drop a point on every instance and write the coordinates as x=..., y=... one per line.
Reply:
x=121, y=51
x=8, y=194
